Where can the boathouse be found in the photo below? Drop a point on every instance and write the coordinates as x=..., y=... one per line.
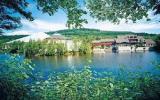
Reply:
x=149, y=43
x=103, y=43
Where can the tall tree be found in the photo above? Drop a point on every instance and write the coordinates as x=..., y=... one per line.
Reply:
x=115, y=10
x=11, y=11
x=70, y=7
x=158, y=42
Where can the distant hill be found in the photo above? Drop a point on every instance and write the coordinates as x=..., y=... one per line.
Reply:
x=5, y=38
x=96, y=32
x=81, y=33
x=86, y=31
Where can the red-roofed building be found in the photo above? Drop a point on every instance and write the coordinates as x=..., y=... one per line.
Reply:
x=103, y=43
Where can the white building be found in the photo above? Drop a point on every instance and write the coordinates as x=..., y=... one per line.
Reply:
x=133, y=43
x=69, y=43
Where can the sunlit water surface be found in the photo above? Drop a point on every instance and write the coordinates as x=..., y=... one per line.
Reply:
x=139, y=61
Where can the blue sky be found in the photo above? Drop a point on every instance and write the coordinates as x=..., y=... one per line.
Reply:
x=44, y=22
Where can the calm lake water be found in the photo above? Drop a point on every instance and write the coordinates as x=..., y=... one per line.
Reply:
x=139, y=61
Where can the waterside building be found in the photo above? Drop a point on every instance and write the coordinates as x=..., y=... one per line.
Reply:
x=68, y=42
x=123, y=43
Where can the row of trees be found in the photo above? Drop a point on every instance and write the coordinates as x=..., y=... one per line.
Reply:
x=45, y=48
x=158, y=42
x=33, y=48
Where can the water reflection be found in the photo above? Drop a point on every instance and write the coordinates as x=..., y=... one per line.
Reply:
x=100, y=62
x=143, y=61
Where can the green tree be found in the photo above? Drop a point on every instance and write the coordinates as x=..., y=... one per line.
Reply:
x=11, y=11
x=13, y=74
x=115, y=10
x=60, y=49
x=70, y=7
x=85, y=48
x=158, y=42
x=50, y=49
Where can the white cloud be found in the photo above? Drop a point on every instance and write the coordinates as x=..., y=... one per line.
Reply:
x=134, y=27
x=37, y=26
x=143, y=27
x=20, y=32
x=43, y=26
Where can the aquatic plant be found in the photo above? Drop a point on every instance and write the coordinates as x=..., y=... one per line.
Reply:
x=82, y=85
x=85, y=84
x=13, y=73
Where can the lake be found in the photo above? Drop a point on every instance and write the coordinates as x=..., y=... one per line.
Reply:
x=138, y=61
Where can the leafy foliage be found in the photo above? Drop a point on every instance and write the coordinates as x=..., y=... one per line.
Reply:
x=70, y=7
x=158, y=42
x=4, y=39
x=43, y=48
x=78, y=85
x=16, y=68
x=82, y=85
x=46, y=48
x=13, y=74
x=85, y=47
x=32, y=48
x=114, y=10
x=11, y=12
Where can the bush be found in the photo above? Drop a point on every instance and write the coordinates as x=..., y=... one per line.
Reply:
x=77, y=85
x=13, y=74
x=83, y=85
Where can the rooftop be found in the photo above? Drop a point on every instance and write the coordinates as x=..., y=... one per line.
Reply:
x=129, y=38
x=149, y=41
x=58, y=36
x=103, y=40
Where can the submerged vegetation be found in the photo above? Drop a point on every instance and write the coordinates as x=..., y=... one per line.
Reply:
x=86, y=84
